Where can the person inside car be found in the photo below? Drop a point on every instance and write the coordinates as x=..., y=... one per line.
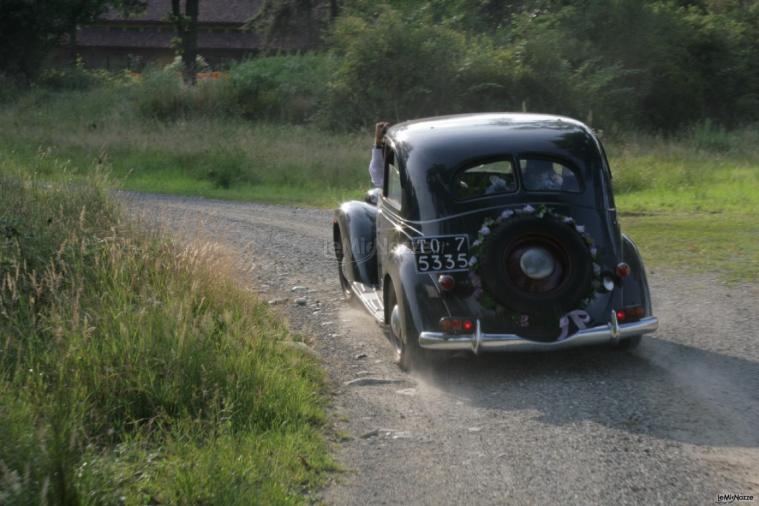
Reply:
x=540, y=175
x=377, y=163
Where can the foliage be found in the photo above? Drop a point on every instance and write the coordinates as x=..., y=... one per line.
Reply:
x=282, y=88
x=134, y=371
x=654, y=64
x=77, y=77
x=201, y=65
x=391, y=70
x=164, y=96
x=293, y=22
x=29, y=30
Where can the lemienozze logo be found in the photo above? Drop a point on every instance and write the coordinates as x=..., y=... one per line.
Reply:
x=731, y=498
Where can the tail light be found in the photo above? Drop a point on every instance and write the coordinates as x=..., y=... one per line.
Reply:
x=623, y=270
x=456, y=325
x=630, y=314
x=446, y=282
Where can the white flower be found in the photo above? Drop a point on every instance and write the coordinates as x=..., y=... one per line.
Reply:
x=476, y=243
x=508, y=213
x=528, y=209
x=485, y=230
x=568, y=220
x=580, y=229
x=593, y=251
x=472, y=261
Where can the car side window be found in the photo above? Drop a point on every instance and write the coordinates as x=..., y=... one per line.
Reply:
x=393, y=191
x=483, y=179
x=540, y=174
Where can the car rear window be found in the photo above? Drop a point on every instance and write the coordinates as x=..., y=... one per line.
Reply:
x=486, y=178
x=541, y=174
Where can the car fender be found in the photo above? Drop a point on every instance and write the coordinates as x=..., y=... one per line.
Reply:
x=356, y=222
x=421, y=297
x=635, y=291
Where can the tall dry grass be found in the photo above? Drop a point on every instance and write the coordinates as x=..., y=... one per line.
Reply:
x=131, y=371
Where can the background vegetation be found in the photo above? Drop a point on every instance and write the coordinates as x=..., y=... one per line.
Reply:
x=134, y=372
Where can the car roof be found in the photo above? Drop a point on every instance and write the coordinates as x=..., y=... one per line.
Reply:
x=470, y=134
x=432, y=150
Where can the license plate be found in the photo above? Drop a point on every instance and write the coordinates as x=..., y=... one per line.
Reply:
x=448, y=253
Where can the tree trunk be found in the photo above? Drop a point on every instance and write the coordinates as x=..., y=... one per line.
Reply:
x=72, y=44
x=334, y=10
x=187, y=29
x=309, y=11
x=190, y=42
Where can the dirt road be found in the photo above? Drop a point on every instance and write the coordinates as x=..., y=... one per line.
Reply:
x=675, y=422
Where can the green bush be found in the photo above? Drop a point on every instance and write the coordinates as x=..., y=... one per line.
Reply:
x=163, y=96
x=73, y=78
x=392, y=69
x=281, y=88
x=655, y=65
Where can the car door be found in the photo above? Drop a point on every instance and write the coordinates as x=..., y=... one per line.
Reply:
x=390, y=212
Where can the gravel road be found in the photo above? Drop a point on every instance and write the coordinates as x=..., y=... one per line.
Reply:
x=675, y=421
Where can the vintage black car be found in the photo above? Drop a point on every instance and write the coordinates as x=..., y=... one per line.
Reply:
x=493, y=232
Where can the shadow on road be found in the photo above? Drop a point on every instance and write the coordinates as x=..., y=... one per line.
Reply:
x=663, y=389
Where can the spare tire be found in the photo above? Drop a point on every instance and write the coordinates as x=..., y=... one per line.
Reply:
x=537, y=266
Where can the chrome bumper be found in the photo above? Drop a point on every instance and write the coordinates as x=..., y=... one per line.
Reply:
x=479, y=341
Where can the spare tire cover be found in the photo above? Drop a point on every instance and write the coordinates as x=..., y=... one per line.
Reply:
x=504, y=276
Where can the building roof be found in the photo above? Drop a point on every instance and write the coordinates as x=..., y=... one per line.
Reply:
x=211, y=11
x=104, y=36
x=219, y=23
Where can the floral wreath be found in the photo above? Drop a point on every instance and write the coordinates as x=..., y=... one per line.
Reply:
x=478, y=248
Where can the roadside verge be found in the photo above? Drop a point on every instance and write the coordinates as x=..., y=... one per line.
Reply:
x=133, y=371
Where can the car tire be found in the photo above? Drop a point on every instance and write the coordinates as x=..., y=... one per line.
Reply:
x=408, y=354
x=340, y=253
x=628, y=343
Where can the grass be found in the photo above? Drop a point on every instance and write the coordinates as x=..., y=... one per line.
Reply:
x=692, y=205
x=217, y=157
x=702, y=187
x=135, y=372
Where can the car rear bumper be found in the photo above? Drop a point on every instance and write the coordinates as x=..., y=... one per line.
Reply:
x=480, y=341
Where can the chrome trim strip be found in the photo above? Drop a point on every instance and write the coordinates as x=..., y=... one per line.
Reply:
x=480, y=341
x=497, y=207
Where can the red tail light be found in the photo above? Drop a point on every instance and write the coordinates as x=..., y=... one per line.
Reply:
x=623, y=270
x=630, y=314
x=446, y=282
x=456, y=325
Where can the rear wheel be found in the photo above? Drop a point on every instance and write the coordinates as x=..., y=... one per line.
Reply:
x=408, y=354
x=343, y=264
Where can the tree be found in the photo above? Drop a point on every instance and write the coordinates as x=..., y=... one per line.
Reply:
x=302, y=20
x=81, y=12
x=186, y=24
x=30, y=29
